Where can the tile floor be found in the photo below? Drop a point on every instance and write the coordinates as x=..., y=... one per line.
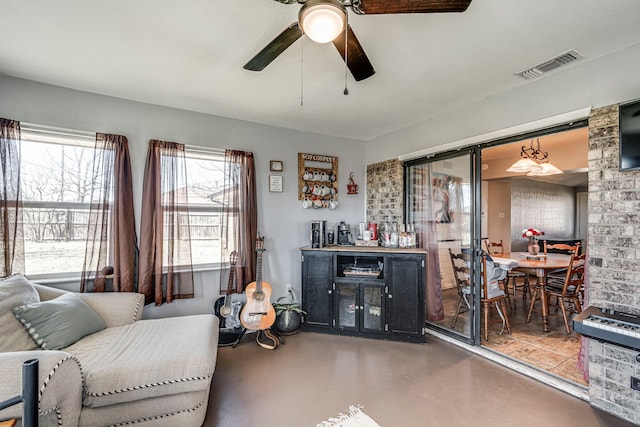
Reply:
x=555, y=352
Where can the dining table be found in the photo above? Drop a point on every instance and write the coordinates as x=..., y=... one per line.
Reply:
x=540, y=266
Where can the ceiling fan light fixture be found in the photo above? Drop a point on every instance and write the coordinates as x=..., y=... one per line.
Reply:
x=323, y=20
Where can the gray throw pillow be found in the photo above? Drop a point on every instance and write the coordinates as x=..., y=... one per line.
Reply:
x=58, y=323
x=15, y=291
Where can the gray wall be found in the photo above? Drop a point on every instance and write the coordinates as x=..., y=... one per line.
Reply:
x=547, y=207
x=281, y=218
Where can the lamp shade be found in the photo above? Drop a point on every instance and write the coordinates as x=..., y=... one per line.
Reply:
x=547, y=169
x=322, y=21
x=524, y=165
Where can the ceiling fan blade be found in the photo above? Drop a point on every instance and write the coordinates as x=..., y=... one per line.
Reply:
x=357, y=60
x=274, y=48
x=372, y=7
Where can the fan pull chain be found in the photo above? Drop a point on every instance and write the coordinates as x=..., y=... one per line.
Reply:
x=301, y=71
x=346, y=58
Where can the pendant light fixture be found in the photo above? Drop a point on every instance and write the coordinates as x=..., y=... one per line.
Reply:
x=547, y=169
x=534, y=161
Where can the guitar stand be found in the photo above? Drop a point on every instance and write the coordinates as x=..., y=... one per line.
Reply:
x=278, y=336
x=244, y=331
x=270, y=334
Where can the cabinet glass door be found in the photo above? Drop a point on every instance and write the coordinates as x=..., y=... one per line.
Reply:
x=371, y=307
x=347, y=306
x=440, y=201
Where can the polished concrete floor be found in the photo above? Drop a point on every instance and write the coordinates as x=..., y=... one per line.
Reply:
x=315, y=376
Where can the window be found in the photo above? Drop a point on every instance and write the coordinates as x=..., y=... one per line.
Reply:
x=205, y=182
x=56, y=179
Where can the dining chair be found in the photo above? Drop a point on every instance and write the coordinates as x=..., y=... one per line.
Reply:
x=568, y=291
x=554, y=276
x=561, y=248
x=496, y=248
x=461, y=274
x=495, y=296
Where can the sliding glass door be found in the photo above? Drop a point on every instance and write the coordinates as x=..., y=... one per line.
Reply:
x=441, y=202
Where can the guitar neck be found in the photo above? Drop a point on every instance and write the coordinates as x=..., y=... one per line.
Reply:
x=232, y=270
x=259, y=272
x=227, y=297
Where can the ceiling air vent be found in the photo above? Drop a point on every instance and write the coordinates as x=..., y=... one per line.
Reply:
x=551, y=64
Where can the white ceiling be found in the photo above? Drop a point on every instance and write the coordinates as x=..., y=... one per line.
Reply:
x=189, y=54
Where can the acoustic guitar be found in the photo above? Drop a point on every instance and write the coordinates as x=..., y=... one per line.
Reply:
x=258, y=313
x=226, y=308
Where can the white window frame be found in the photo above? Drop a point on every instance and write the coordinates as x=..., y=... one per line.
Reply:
x=56, y=136
x=209, y=154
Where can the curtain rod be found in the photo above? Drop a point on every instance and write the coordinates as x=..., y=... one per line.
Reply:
x=204, y=150
x=73, y=133
x=32, y=127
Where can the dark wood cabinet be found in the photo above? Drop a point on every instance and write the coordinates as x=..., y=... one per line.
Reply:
x=405, y=298
x=360, y=307
x=317, y=296
x=363, y=292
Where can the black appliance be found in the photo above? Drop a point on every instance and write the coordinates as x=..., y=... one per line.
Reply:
x=318, y=234
x=344, y=234
x=630, y=136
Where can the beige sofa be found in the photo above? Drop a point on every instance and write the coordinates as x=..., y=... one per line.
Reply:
x=143, y=372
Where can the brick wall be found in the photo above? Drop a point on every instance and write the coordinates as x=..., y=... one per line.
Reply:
x=614, y=262
x=385, y=192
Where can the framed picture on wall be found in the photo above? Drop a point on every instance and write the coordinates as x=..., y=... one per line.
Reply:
x=276, y=166
x=275, y=183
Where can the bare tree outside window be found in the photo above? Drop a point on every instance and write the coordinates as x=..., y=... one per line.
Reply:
x=56, y=186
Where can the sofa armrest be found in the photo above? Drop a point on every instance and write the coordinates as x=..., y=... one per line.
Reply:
x=60, y=385
x=116, y=309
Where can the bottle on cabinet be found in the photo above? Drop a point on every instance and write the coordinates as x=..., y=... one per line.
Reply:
x=393, y=236
x=403, y=237
x=411, y=236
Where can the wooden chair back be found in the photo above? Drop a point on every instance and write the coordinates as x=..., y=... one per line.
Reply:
x=494, y=247
x=485, y=282
x=574, y=280
x=461, y=270
x=568, y=249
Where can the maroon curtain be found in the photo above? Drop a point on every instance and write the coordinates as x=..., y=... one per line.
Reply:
x=11, y=233
x=165, y=272
x=110, y=218
x=239, y=216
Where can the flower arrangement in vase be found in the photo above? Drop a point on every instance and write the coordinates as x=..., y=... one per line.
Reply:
x=533, y=234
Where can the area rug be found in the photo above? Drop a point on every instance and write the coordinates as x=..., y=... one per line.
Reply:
x=355, y=418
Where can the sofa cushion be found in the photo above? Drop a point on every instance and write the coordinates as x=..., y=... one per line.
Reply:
x=15, y=291
x=58, y=323
x=148, y=358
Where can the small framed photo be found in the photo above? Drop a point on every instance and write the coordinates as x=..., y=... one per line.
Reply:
x=276, y=166
x=275, y=183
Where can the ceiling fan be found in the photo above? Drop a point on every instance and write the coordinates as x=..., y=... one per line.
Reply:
x=325, y=21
